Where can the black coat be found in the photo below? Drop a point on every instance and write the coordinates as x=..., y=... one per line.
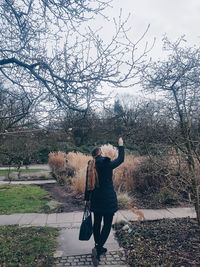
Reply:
x=103, y=199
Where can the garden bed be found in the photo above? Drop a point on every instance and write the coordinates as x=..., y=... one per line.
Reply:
x=73, y=201
x=64, y=194
x=168, y=242
x=158, y=200
x=30, y=246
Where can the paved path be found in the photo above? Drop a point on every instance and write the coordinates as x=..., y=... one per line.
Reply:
x=51, y=181
x=73, y=219
x=33, y=166
x=71, y=251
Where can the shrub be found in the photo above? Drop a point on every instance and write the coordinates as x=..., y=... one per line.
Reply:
x=124, y=200
x=150, y=174
x=57, y=161
x=169, y=169
x=59, y=167
x=166, y=196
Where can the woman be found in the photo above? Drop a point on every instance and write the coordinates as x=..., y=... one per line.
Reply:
x=101, y=196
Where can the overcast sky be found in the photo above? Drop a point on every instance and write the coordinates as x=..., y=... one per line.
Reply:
x=171, y=17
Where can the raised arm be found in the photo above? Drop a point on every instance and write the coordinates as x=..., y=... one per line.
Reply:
x=115, y=163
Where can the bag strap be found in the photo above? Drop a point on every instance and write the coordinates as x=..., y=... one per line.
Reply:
x=87, y=211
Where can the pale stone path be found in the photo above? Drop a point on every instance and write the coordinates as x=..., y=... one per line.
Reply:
x=71, y=251
x=51, y=181
x=33, y=166
x=73, y=219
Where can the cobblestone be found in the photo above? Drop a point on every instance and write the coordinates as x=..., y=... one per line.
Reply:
x=113, y=258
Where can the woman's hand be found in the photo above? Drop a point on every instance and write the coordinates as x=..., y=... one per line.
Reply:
x=120, y=142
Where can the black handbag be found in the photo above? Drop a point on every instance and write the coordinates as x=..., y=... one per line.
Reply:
x=86, y=225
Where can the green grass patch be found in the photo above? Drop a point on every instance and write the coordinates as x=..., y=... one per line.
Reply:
x=22, y=199
x=5, y=172
x=27, y=247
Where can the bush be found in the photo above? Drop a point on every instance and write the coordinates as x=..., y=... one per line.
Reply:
x=59, y=167
x=150, y=174
x=57, y=161
x=166, y=196
x=124, y=200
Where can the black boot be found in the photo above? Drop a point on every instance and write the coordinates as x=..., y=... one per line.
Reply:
x=101, y=250
x=95, y=257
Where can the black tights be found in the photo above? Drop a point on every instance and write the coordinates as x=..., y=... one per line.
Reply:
x=100, y=236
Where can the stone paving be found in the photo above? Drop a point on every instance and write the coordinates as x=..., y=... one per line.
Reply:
x=51, y=181
x=73, y=219
x=32, y=166
x=111, y=258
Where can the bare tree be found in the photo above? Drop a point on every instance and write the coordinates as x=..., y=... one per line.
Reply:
x=177, y=80
x=15, y=108
x=46, y=45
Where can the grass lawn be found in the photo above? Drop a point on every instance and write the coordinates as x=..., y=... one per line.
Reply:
x=166, y=243
x=22, y=199
x=27, y=247
x=5, y=172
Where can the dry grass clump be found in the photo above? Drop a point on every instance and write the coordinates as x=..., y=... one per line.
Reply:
x=124, y=175
x=79, y=180
x=79, y=162
x=59, y=166
x=57, y=161
x=109, y=151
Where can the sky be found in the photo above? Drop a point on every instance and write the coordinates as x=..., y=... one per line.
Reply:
x=173, y=18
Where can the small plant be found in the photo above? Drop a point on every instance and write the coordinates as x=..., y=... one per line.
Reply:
x=124, y=200
x=166, y=196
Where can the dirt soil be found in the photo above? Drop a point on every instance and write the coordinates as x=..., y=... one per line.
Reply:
x=74, y=202
x=166, y=243
x=65, y=195
x=147, y=201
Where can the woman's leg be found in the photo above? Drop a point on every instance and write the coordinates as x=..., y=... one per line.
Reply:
x=107, y=219
x=97, y=227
